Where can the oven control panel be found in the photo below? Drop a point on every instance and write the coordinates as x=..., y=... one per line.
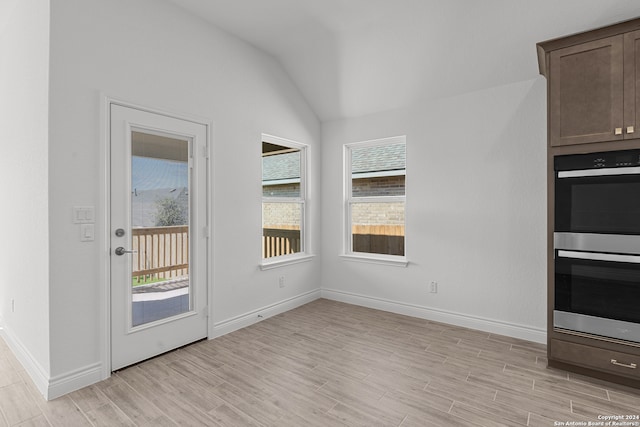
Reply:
x=609, y=159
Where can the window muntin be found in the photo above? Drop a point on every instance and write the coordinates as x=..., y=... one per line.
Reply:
x=375, y=198
x=283, y=198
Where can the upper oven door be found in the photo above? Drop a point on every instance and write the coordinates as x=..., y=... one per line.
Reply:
x=604, y=201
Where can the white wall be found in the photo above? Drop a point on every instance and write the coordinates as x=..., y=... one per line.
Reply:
x=152, y=53
x=24, y=251
x=476, y=211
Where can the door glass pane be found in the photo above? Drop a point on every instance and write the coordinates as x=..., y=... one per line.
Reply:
x=160, y=227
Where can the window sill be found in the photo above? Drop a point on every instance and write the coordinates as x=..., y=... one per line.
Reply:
x=281, y=262
x=395, y=261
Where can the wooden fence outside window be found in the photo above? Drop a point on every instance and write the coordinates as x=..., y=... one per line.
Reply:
x=378, y=239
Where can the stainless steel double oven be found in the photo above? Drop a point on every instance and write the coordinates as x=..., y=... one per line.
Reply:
x=597, y=244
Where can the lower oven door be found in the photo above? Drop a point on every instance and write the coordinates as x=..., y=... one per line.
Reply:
x=598, y=293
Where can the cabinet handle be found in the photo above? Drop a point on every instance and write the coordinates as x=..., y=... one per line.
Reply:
x=618, y=131
x=630, y=129
x=624, y=365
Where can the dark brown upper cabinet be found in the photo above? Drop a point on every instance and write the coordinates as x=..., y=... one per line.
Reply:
x=593, y=85
x=632, y=84
x=586, y=92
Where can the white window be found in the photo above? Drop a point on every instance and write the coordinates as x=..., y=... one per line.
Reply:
x=375, y=198
x=283, y=201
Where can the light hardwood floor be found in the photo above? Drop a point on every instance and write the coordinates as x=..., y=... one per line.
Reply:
x=328, y=364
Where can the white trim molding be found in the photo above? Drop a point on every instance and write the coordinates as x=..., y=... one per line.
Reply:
x=284, y=260
x=393, y=260
x=74, y=380
x=473, y=322
x=50, y=387
x=247, y=319
x=38, y=374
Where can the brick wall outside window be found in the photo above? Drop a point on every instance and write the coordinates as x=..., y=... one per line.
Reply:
x=382, y=186
x=284, y=216
x=284, y=190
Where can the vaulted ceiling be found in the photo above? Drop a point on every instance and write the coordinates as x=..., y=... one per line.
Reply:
x=355, y=57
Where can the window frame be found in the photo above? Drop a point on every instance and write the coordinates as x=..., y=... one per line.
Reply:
x=304, y=254
x=348, y=200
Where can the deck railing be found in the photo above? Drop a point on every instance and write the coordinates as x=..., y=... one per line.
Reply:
x=161, y=252
x=276, y=242
x=380, y=239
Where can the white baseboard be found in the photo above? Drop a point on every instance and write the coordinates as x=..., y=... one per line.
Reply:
x=38, y=374
x=50, y=387
x=442, y=316
x=74, y=380
x=249, y=318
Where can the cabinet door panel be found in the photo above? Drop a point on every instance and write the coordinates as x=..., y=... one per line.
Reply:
x=586, y=92
x=632, y=84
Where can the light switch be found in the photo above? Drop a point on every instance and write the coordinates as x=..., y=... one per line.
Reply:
x=87, y=233
x=84, y=214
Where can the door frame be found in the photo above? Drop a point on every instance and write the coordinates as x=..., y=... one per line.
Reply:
x=104, y=209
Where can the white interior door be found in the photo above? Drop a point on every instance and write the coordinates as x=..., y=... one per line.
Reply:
x=158, y=234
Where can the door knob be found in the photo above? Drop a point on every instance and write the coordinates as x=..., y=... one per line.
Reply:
x=618, y=131
x=630, y=129
x=121, y=251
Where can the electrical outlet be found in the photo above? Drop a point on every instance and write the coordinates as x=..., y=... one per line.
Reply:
x=281, y=281
x=433, y=287
x=13, y=305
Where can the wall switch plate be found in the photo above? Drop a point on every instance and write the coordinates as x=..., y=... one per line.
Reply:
x=433, y=287
x=87, y=233
x=84, y=214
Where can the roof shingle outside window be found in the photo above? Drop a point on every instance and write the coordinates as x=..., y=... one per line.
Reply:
x=281, y=166
x=378, y=159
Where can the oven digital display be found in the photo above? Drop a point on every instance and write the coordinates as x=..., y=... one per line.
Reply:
x=624, y=160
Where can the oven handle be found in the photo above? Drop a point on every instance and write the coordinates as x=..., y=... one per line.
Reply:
x=599, y=243
x=598, y=256
x=599, y=172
